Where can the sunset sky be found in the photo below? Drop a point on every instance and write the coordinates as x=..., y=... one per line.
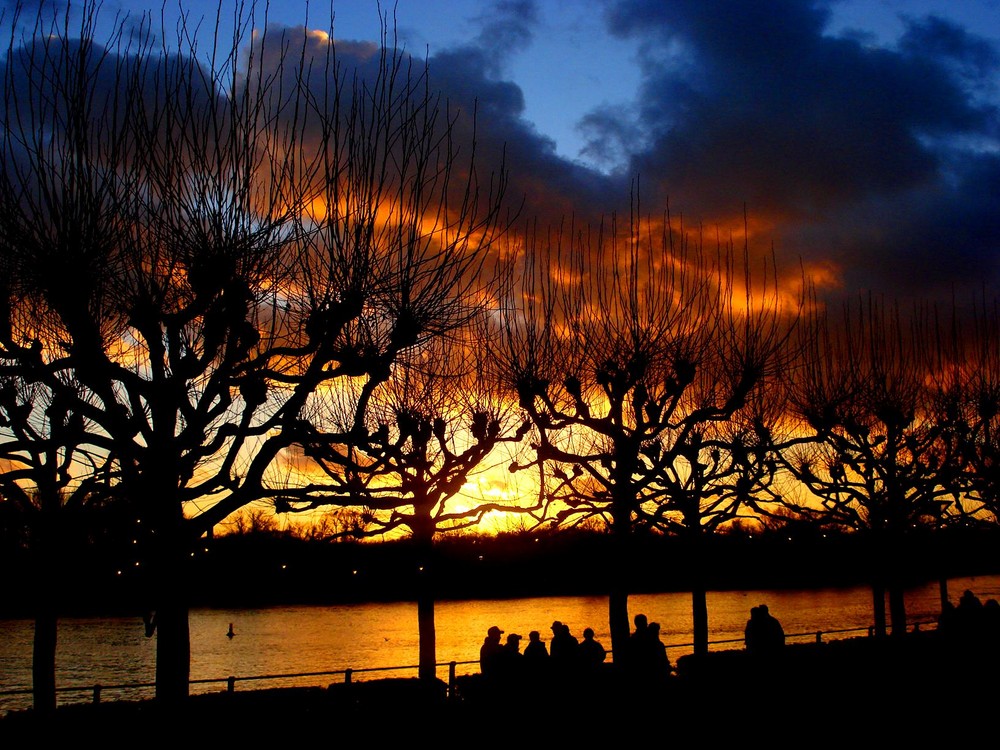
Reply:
x=861, y=136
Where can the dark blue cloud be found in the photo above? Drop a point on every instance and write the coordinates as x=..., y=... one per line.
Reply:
x=470, y=79
x=757, y=104
x=506, y=27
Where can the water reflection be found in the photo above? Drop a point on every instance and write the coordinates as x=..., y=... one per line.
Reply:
x=286, y=640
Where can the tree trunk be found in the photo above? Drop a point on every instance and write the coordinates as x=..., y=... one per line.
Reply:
x=897, y=609
x=426, y=587
x=46, y=550
x=699, y=603
x=428, y=637
x=618, y=619
x=43, y=658
x=699, y=611
x=173, y=651
x=425, y=625
x=618, y=623
x=170, y=579
x=878, y=608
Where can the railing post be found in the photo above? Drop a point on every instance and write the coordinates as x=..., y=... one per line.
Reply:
x=819, y=636
x=451, y=679
x=347, y=676
x=97, y=693
x=231, y=684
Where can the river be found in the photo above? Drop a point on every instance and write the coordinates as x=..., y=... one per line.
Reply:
x=309, y=639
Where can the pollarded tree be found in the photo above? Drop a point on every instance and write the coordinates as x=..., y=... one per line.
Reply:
x=50, y=480
x=143, y=249
x=870, y=446
x=626, y=349
x=967, y=386
x=200, y=248
x=708, y=477
x=412, y=459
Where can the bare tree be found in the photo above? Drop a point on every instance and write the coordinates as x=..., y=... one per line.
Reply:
x=966, y=383
x=426, y=434
x=710, y=477
x=200, y=247
x=870, y=447
x=49, y=476
x=626, y=349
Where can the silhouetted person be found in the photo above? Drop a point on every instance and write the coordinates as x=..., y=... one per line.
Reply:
x=659, y=668
x=563, y=647
x=969, y=602
x=763, y=634
x=969, y=605
x=536, y=665
x=591, y=652
x=535, y=650
x=948, y=621
x=231, y=632
x=969, y=614
x=489, y=652
x=513, y=645
x=509, y=659
x=641, y=629
x=991, y=617
x=637, y=657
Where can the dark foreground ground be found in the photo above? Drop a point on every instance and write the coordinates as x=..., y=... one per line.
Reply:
x=920, y=690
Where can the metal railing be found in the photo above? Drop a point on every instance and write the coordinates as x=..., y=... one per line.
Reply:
x=349, y=673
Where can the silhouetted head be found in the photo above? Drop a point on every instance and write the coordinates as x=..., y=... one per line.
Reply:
x=556, y=626
x=514, y=639
x=762, y=608
x=588, y=633
x=654, y=627
x=494, y=632
x=641, y=622
x=534, y=635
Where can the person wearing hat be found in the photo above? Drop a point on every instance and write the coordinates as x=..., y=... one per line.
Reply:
x=509, y=661
x=491, y=651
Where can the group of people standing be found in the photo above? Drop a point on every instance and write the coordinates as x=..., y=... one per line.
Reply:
x=646, y=659
x=565, y=652
x=567, y=655
x=971, y=617
x=763, y=635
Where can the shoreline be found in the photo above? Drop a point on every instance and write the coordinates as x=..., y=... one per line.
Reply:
x=906, y=683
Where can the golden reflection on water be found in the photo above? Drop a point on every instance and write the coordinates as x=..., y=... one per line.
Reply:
x=288, y=640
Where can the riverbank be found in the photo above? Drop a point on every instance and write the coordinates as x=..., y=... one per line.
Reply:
x=270, y=569
x=917, y=687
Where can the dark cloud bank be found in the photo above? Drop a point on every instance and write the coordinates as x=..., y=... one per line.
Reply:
x=881, y=163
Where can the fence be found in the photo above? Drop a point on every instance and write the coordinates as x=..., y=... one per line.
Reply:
x=349, y=674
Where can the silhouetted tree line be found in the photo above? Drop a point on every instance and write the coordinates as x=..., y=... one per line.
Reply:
x=284, y=277
x=264, y=568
